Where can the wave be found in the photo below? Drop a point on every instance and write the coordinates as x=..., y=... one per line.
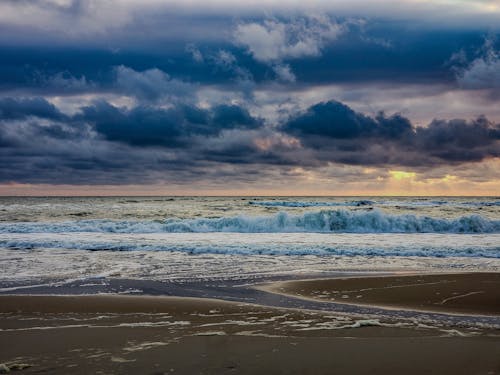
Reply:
x=311, y=203
x=328, y=221
x=366, y=202
x=483, y=204
x=435, y=203
x=272, y=249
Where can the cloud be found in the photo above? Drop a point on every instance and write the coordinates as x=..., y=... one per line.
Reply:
x=284, y=73
x=23, y=108
x=172, y=127
x=67, y=20
x=224, y=59
x=66, y=81
x=459, y=140
x=103, y=143
x=227, y=61
x=232, y=116
x=272, y=41
x=342, y=135
x=106, y=144
x=336, y=120
x=119, y=91
x=195, y=53
x=143, y=125
x=150, y=84
x=160, y=69
x=483, y=72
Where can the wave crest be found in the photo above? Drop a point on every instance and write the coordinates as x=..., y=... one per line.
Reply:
x=329, y=221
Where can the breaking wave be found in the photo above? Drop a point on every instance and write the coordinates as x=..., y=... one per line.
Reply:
x=328, y=221
x=288, y=249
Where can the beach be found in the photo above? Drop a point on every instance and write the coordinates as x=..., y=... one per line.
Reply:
x=155, y=335
x=250, y=187
x=288, y=285
x=472, y=293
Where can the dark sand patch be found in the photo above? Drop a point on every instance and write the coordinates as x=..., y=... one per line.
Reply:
x=469, y=293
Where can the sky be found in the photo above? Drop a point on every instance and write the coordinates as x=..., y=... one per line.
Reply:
x=109, y=97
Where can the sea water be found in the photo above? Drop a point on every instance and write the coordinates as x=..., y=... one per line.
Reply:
x=56, y=239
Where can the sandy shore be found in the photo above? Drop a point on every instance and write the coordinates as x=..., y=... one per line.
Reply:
x=467, y=293
x=110, y=334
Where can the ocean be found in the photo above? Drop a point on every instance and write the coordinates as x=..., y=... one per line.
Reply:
x=57, y=240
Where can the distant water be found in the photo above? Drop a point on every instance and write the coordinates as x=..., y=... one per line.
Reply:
x=242, y=237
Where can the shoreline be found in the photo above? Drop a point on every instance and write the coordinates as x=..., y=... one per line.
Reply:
x=290, y=293
x=112, y=333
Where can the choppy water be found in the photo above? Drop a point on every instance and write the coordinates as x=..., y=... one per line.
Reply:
x=242, y=237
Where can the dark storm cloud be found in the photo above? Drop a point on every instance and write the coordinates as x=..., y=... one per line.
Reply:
x=154, y=50
x=22, y=108
x=459, y=140
x=342, y=135
x=100, y=142
x=103, y=143
x=336, y=120
x=409, y=55
x=147, y=125
x=179, y=71
x=139, y=126
x=34, y=119
x=149, y=74
x=353, y=56
x=232, y=116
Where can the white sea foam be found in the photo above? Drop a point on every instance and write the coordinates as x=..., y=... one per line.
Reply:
x=54, y=267
x=336, y=221
x=213, y=238
x=279, y=244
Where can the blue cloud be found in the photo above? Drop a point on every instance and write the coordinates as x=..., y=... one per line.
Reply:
x=23, y=108
x=344, y=136
x=151, y=126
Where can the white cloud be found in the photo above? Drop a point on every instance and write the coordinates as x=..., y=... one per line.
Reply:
x=88, y=18
x=481, y=73
x=59, y=3
x=273, y=41
x=224, y=59
x=151, y=84
x=71, y=18
x=195, y=53
x=284, y=73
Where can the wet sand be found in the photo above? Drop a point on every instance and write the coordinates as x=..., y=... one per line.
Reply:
x=157, y=335
x=472, y=293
